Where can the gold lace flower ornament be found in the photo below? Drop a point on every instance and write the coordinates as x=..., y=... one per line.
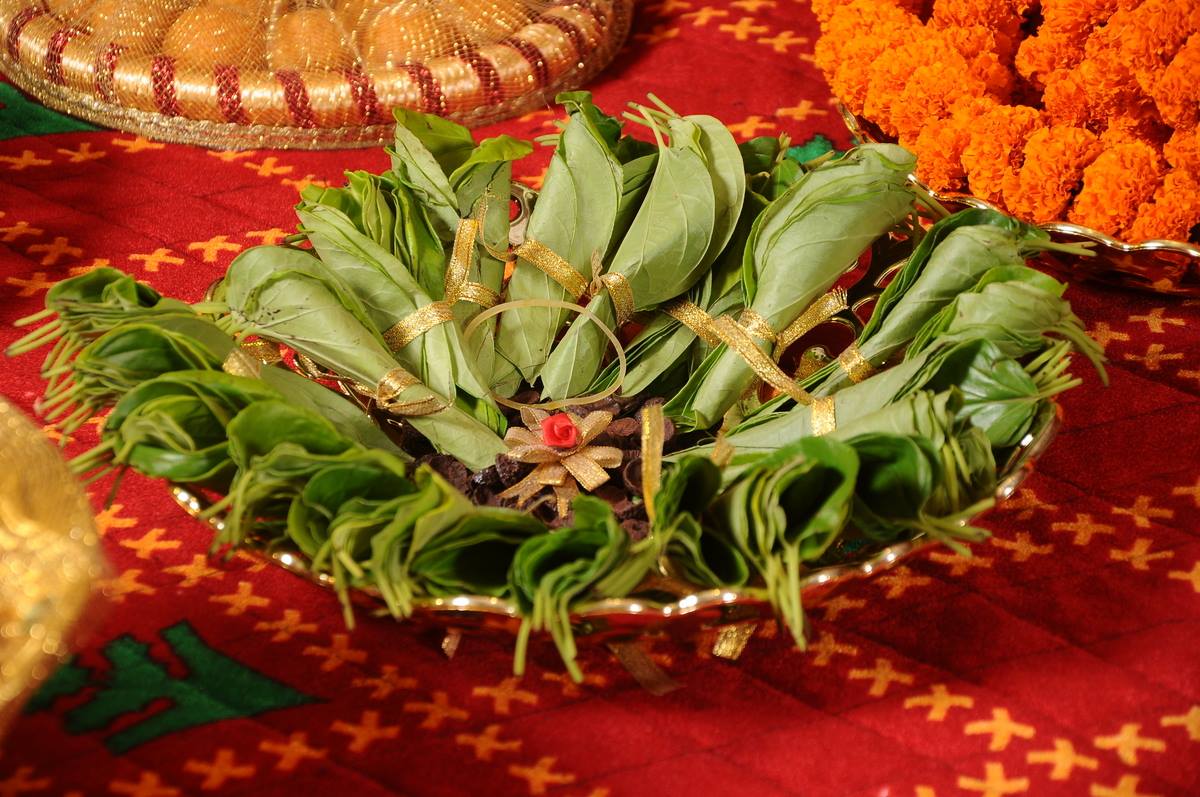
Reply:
x=560, y=447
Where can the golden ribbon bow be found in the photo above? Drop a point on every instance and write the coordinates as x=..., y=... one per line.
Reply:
x=565, y=470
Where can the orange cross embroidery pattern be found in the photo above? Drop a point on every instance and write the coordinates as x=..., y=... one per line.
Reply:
x=436, y=711
x=901, y=580
x=293, y=751
x=541, y=775
x=304, y=182
x=159, y=257
x=148, y=785
x=1139, y=556
x=229, y=156
x=569, y=687
x=17, y=230
x=1154, y=357
x=1022, y=547
x=701, y=18
x=1144, y=512
x=117, y=589
x=36, y=283
x=1083, y=527
x=504, y=693
x=1189, y=722
x=742, y=30
x=54, y=250
x=994, y=782
x=1184, y=575
x=1062, y=759
x=366, y=732
x=194, y=572
x=1126, y=787
x=145, y=546
x=222, y=768
x=338, y=653
x=19, y=163
x=137, y=144
x=287, y=626
x=488, y=742
x=959, y=564
x=780, y=44
x=241, y=600
x=1127, y=742
x=389, y=680
x=1155, y=319
x=83, y=154
x=939, y=701
x=833, y=607
x=1001, y=728
x=1026, y=503
x=213, y=246
x=1103, y=334
x=826, y=647
x=751, y=126
x=1193, y=491
x=268, y=167
x=267, y=237
x=881, y=677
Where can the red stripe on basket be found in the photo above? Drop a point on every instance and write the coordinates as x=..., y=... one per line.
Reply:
x=106, y=65
x=162, y=81
x=229, y=94
x=23, y=18
x=489, y=78
x=578, y=40
x=54, y=52
x=432, y=98
x=296, y=95
x=362, y=88
x=533, y=55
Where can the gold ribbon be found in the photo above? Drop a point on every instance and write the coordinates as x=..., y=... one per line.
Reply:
x=565, y=470
x=756, y=325
x=653, y=434
x=816, y=314
x=722, y=451
x=620, y=293
x=738, y=339
x=248, y=359
x=553, y=266
x=824, y=415
x=458, y=288
x=395, y=382
x=695, y=319
x=854, y=364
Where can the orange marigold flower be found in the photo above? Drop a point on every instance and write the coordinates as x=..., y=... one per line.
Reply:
x=825, y=9
x=1055, y=158
x=1116, y=183
x=1000, y=15
x=984, y=49
x=1176, y=92
x=894, y=67
x=1139, y=124
x=1173, y=213
x=1041, y=55
x=1065, y=100
x=928, y=95
x=1182, y=151
x=856, y=34
x=1148, y=35
x=995, y=148
x=940, y=144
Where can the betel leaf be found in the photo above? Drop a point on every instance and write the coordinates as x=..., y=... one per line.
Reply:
x=448, y=143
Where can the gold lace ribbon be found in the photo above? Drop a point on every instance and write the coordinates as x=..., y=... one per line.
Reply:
x=620, y=293
x=817, y=313
x=824, y=415
x=739, y=340
x=856, y=366
x=553, y=266
x=694, y=318
x=248, y=358
x=458, y=288
x=756, y=325
x=653, y=434
x=392, y=385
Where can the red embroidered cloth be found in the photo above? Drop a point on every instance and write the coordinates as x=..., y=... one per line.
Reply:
x=1061, y=660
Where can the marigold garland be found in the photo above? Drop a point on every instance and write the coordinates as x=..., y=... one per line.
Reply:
x=1080, y=110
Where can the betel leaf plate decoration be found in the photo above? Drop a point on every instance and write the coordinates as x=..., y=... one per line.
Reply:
x=693, y=381
x=1157, y=266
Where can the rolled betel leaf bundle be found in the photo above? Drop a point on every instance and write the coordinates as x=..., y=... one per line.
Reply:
x=551, y=573
x=175, y=427
x=289, y=297
x=571, y=225
x=951, y=259
x=702, y=555
x=786, y=509
x=685, y=219
x=800, y=245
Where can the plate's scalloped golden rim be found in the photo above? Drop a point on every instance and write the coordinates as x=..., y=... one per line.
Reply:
x=635, y=614
x=1138, y=266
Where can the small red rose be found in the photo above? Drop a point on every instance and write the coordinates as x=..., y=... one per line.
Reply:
x=559, y=431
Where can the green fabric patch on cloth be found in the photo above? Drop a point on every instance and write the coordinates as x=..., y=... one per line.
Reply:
x=815, y=147
x=22, y=116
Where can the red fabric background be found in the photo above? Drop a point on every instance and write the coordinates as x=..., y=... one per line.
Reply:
x=1076, y=641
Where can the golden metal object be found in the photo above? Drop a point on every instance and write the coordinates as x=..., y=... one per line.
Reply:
x=49, y=559
x=732, y=640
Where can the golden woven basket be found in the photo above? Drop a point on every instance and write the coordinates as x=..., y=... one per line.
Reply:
x=309, y=74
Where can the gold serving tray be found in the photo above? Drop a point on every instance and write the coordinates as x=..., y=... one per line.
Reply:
x=1158, y=266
